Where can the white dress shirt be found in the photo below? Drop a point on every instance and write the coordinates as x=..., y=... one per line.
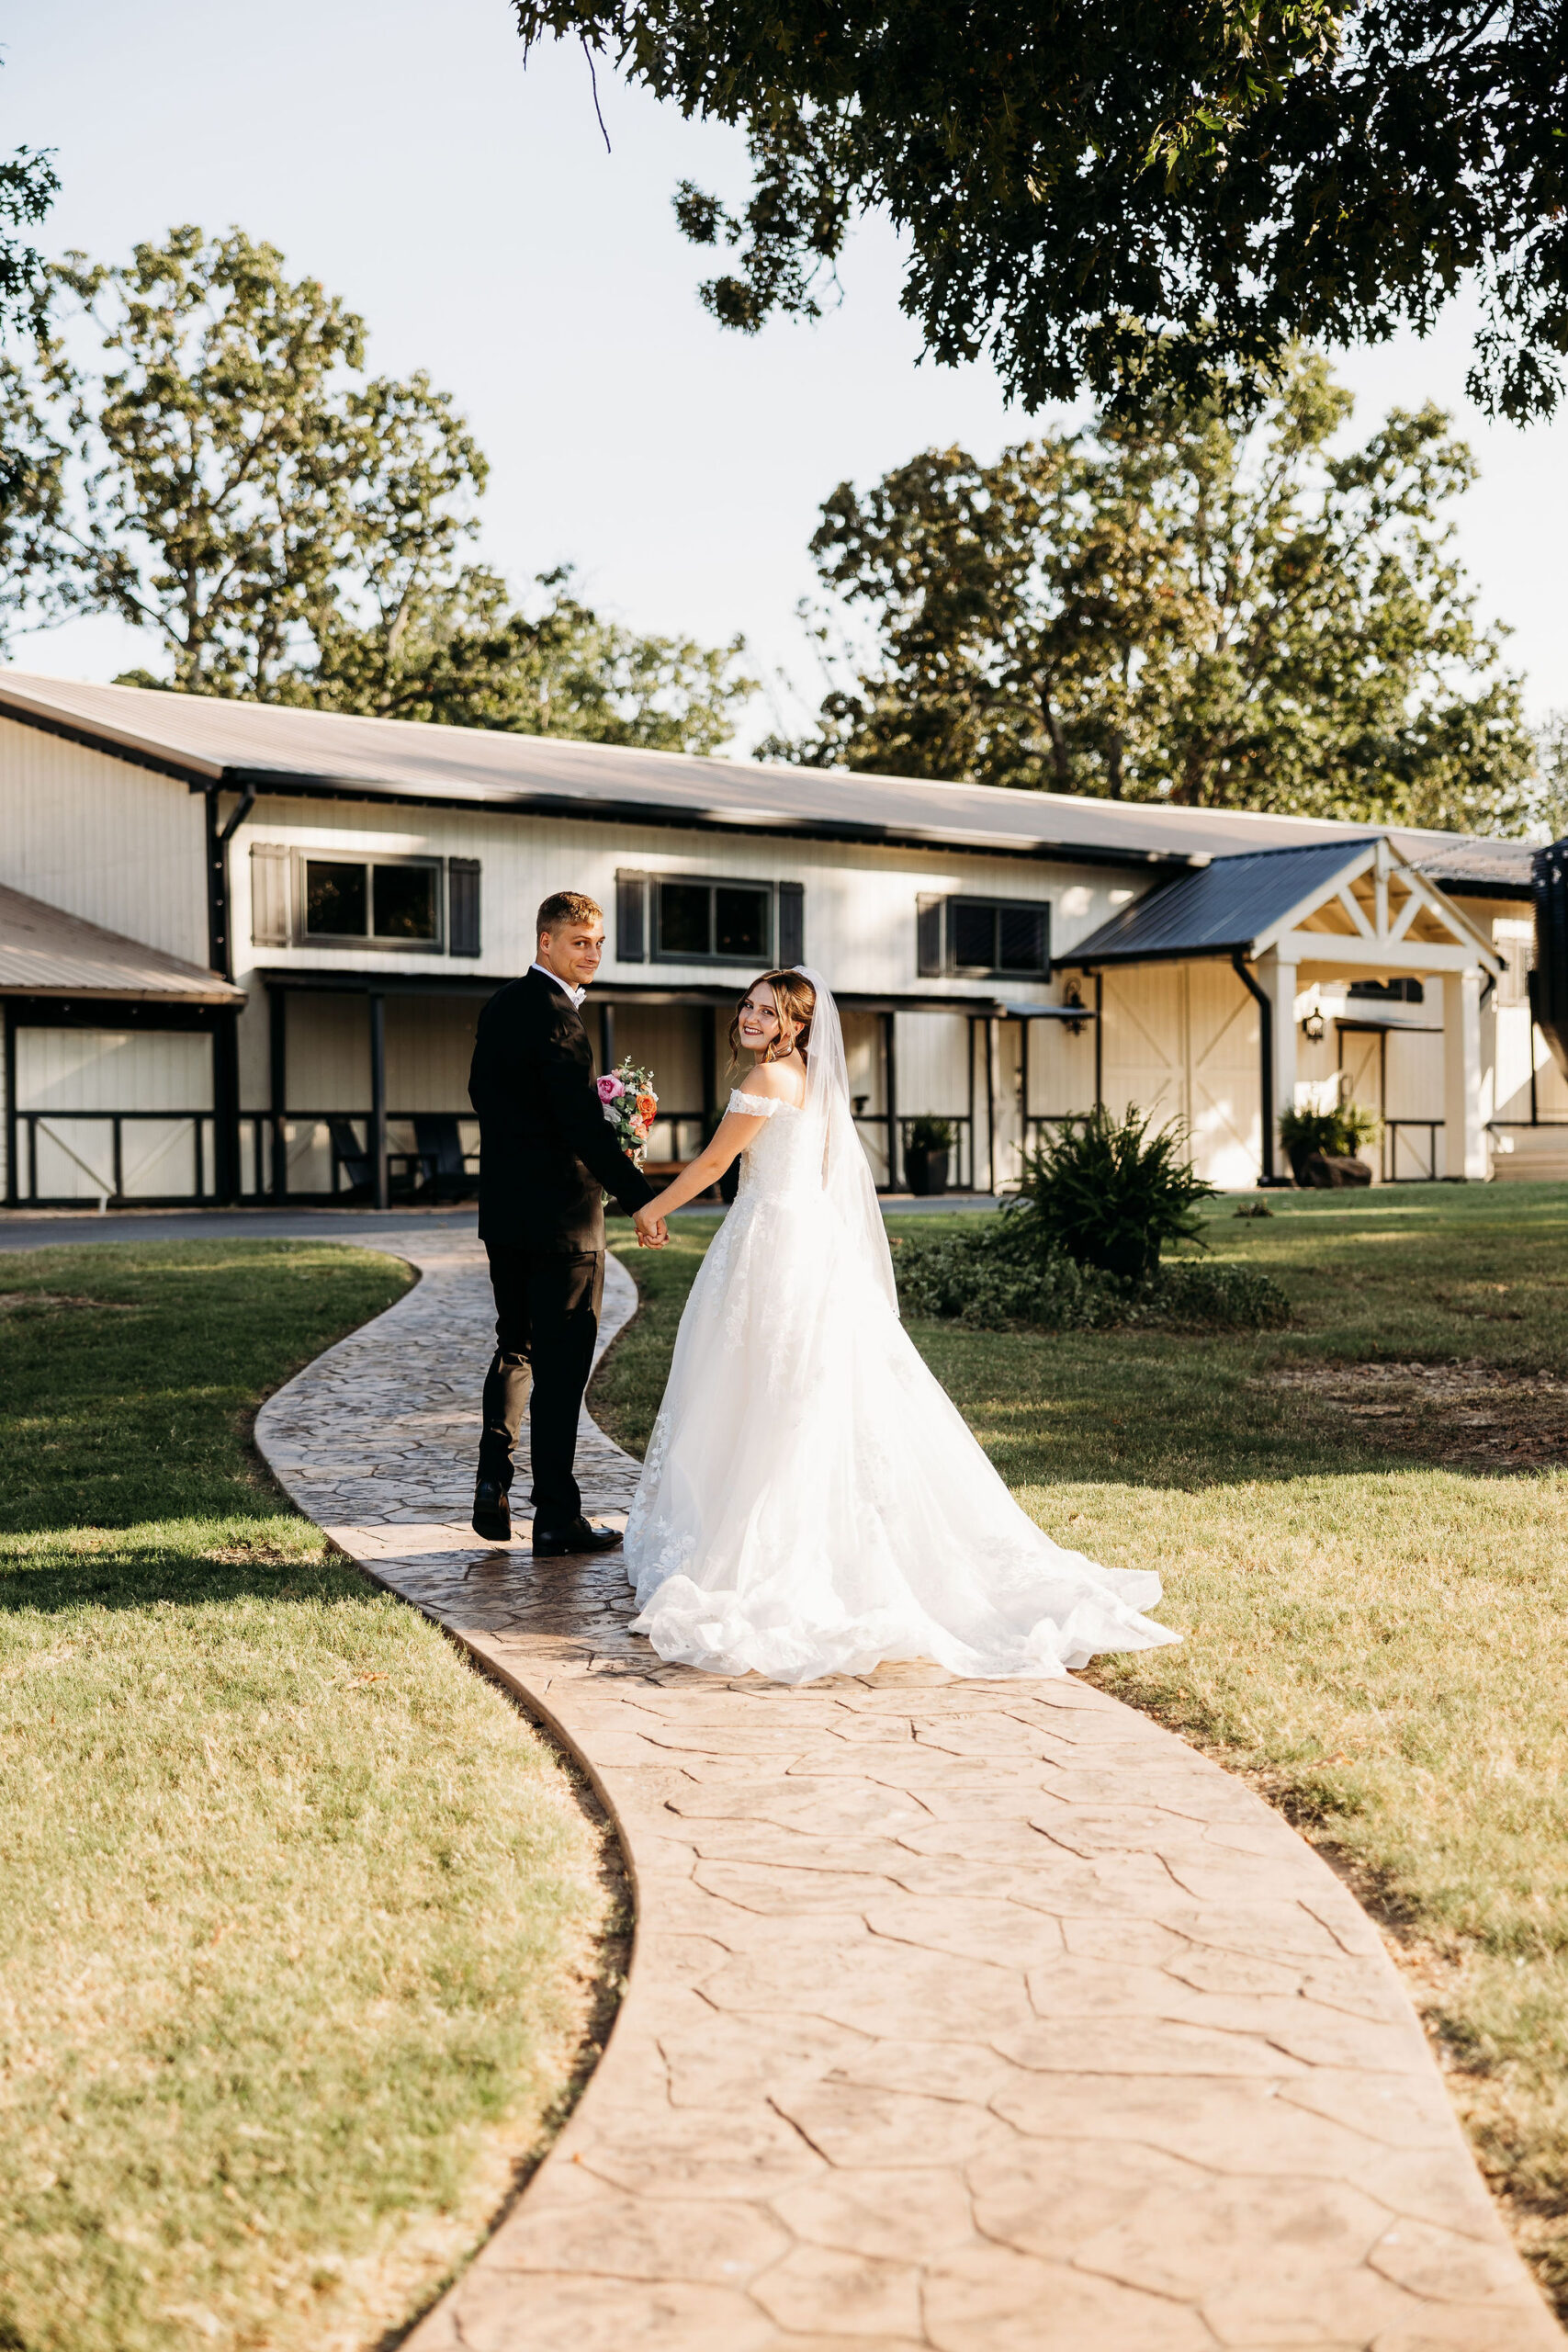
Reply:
x=576, y=995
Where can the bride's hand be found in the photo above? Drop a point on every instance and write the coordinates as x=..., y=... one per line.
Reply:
x=652, y=1231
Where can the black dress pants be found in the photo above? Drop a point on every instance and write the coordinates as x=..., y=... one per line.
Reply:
x=547, y=1319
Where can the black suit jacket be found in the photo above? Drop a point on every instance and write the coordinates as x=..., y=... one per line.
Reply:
x=547, y=1151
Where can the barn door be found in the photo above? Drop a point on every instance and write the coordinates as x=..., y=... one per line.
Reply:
x=1361, y=1064
x=1143, y=1048
x=1224, y=1075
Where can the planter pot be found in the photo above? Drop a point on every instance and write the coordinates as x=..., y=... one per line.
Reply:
x=1326, y=1173
x=926, y=1171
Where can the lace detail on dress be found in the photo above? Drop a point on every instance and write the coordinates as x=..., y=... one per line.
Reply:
x=757, y=1106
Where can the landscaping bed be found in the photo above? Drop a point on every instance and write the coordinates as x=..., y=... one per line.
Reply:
x=299, y=1936
x=1375, y=1608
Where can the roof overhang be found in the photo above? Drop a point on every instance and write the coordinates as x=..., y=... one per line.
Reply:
x=1372, y=910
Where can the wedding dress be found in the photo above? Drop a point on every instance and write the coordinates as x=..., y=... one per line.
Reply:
x=812, y=1501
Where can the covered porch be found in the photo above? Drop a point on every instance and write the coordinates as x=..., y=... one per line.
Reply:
x=1286, y=979
x=117, y=1072
x=353, y=1084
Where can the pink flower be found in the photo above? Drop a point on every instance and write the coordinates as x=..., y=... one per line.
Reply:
x=610, y=1089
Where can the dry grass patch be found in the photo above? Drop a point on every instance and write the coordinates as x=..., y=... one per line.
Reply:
x=1473, y=1412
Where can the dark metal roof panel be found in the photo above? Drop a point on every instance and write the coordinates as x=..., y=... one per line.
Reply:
x=1219, y=908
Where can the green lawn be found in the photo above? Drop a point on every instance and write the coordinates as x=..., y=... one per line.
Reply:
x=1369, y=1565
x=298, y=1918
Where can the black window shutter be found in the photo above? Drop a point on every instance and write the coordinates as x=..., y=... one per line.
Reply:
x=462, y=905
x=631, y=917
x=791, y=922
x=928, y=937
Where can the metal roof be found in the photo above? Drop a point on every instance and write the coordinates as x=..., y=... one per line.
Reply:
x=46, y=952
x=1478, y=867
x=1222, y=908
x=241, y=745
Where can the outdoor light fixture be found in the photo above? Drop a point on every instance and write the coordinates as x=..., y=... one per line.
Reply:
x=1075, y=998
x=1311, y=1028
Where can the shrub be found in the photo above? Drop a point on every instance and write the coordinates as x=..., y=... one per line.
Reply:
x=992, y=1278
x=1111, y=1193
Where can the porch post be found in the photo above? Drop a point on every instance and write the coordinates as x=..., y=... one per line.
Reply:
x=1279, y=980
x=226, y=1103
x=277, y=1090
x=1464, y=1131
x=890, y=1098
x=381, y=1189
x=607, y=1039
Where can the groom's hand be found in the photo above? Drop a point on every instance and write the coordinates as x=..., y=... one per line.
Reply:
x=652, y=1231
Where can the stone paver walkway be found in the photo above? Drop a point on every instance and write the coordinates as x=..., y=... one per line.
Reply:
x=963, y=2017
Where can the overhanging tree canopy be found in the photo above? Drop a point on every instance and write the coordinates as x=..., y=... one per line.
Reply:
x=1131, y=198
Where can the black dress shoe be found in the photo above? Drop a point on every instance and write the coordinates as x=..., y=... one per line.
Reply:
x=492, y=1512
x=561, y=1542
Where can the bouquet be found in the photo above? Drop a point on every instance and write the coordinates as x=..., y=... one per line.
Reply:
x=630, y=1104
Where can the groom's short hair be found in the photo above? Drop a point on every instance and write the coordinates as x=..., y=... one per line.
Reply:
x=566, y=905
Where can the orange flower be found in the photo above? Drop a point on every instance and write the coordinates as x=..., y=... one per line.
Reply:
x=647, y=1104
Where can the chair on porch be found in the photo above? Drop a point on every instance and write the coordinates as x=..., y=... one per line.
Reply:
x=444, y=1165
x=408, y=1171
x=351, y=1159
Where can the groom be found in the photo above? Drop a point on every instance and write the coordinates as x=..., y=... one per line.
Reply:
x=547, y=1154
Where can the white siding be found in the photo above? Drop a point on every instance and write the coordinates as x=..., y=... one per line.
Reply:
x=106, y=1069
x=860, y=902
x=114, y=843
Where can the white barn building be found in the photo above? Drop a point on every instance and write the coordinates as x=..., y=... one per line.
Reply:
x=242, y=950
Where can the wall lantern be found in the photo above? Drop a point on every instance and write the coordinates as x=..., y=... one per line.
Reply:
x=1074, y=999
x=1312, y=1028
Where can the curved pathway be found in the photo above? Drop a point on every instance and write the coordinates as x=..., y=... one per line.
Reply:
x=963, y=2017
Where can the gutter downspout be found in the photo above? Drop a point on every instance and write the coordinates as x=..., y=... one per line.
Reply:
x=1254, y=989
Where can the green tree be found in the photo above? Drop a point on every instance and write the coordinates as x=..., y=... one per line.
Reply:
x=459, y=652
x=205, y=457
x=240, y=479
x=1129, y=199
x=1183, y=608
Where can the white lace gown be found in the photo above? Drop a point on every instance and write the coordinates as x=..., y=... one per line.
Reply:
x=813, y=1502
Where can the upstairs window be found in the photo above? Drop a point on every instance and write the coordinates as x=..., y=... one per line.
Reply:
x=678, y=918
x=380, y=902
x=990, y=939
x=1389, y=991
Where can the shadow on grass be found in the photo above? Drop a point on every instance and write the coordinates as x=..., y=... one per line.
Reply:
x=174, y=1566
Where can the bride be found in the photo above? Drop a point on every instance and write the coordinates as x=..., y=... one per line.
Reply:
x=812, y=1501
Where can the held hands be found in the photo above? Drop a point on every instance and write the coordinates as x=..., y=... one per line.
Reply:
x=651, y=1230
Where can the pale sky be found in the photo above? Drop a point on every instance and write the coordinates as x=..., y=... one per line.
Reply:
x=398, y=151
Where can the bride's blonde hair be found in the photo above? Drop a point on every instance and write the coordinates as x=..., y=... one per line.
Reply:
x=797, y=1001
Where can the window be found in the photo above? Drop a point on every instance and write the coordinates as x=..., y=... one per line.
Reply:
x=983, y=938
x=677, y=919
x=1389, y=991
x=1515, y=942
x=384, y=902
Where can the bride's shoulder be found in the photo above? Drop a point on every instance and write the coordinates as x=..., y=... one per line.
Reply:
x=771, y=1082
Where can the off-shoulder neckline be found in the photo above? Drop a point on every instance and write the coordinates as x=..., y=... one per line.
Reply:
x=774, y=1101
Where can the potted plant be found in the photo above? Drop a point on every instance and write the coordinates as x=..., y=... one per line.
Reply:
x=925, y=1151
x=1322, y=1146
